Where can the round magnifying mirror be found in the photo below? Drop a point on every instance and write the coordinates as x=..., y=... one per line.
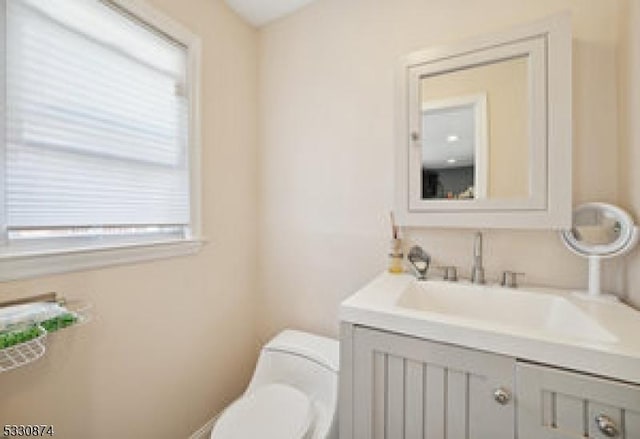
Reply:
x=599, y=230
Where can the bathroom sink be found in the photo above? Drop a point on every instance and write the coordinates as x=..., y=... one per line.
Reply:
x=544, y=325
x=517, y=309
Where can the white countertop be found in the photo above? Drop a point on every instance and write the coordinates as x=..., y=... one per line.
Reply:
x=376, y=305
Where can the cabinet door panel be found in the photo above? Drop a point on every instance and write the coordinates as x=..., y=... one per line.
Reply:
x=414, y=399
x=457, y=407
x=395, y=396
x=632, y=424
x=379, y=396
x=410, y=388
x=556, y=404
x=568, y=413
x=435, y=410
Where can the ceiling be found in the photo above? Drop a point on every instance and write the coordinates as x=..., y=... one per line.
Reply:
x=261, y=12
x=448, y=137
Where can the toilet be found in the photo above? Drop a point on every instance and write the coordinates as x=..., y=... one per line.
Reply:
x=292, y=395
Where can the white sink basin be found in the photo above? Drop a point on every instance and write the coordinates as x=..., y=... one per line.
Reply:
x=548, y=326
x=529, y=311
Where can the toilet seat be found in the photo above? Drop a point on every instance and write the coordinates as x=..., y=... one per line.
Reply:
x=273, y=411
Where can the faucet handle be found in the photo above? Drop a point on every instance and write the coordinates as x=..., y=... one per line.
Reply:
x=509, y=279
x=449, y=272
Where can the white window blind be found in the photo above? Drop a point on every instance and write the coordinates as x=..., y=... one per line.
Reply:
x=96, y=121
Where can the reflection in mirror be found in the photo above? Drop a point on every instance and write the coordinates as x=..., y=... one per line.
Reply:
x=475, y=132
x=454, y=148
x=596, y=227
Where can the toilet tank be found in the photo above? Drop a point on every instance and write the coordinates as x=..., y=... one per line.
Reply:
x=307, y=362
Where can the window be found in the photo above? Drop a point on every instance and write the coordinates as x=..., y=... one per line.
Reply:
x=101, y=141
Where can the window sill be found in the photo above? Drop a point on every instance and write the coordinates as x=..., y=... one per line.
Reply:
x=22, y=266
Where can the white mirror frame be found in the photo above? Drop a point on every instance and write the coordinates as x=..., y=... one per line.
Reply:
x=547, y=44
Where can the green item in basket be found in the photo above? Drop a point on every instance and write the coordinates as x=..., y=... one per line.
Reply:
x=16, y=336
x=62, y=321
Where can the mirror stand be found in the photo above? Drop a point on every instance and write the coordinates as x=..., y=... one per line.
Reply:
x=595, y=283
x=600, y=231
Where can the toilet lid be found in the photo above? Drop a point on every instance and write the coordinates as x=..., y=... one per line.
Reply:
x=273, y=411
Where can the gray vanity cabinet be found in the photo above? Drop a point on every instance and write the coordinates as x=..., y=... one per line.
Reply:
x=400, y=387
x=395, y=386
x=557, y=404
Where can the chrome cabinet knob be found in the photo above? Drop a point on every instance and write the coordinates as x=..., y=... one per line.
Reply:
x=607, y=426
x=502, y=395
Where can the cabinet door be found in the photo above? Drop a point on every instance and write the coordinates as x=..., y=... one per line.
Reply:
x=559, y=404
x=405, y=387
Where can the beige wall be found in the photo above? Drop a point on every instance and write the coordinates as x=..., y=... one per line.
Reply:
x=629, y=105
x=505, y=86
x=327, y=102
x=172, y=341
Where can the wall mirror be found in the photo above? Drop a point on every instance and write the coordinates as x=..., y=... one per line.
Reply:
x=484, y=131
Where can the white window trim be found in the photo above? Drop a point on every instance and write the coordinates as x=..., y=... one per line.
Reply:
x=63, y=260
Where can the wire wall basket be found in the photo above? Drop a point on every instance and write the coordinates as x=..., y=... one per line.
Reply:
x=23, y=353
x=20, y=353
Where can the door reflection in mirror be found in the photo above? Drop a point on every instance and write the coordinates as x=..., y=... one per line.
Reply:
x=475, y=139
x=454, y=148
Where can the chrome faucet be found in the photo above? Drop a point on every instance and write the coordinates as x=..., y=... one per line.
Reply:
x=477, y=271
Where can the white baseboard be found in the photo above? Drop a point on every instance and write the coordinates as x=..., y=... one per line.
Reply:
x=205, y=431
